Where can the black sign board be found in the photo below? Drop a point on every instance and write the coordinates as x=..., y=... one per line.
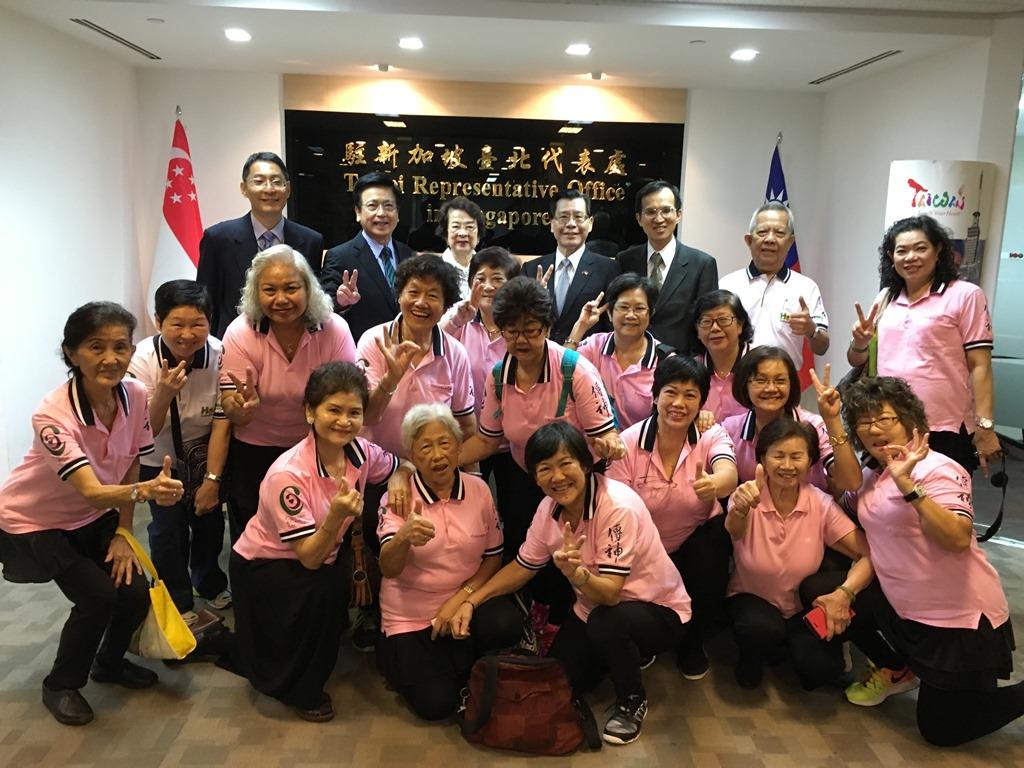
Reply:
x=512, y=168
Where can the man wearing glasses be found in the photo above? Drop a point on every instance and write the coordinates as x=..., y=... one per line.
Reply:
x=574, y=275
x=681, y=273
x=227, y=248
x=360, y=274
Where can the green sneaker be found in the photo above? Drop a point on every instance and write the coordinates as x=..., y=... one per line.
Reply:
x=880, y=684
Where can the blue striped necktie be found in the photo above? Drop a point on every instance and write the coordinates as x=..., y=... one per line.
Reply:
x=389, y=268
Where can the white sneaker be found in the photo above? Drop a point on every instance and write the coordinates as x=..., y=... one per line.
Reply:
x=221, y=601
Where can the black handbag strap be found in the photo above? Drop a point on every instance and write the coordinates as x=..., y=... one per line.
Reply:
x=486, y=702
x=591, y=735
x=999, y=480
x=179, y=445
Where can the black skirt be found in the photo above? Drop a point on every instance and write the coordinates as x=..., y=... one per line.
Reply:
x=288, y=626
x=40, y=556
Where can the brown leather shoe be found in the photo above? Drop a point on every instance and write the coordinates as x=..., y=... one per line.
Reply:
x=67, y=706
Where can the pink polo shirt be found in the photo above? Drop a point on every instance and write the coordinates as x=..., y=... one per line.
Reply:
x=674, y=507
x=466, y=530
x=483, y=355
x=520, y=414
x=66, y=437
x=280, y=419
x=742, y=430
x=926, y=343
x=621, y=541
x=631, y=388
x=296, y=494
x=921, y=580
x=777, y=553
x=720, y=398
x=442, y=376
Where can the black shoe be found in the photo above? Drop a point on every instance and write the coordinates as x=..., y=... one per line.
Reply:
x=693, y=664
x=320, y=714
x=125, y=674
x=365, y=630
x=67, y=706
x=623, y=727
x=749, y=673
x=648, y=661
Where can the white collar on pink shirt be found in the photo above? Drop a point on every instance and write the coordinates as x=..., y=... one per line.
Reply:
x=437, y=336
x=649, y=433
x=650, y=358
x=589, y=500
x=80, y=401
x=428, y=495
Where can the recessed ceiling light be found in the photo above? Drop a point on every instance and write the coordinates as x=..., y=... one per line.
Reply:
x=697, y=42
x=237, y=35
x=743, y=54
x=570, y=129
x=410, y=43
x=383, y=67
x=439, y=145
x=394, y=124
x=598, y=150
x=596, y=75
x=155, y=20
x=578, y=49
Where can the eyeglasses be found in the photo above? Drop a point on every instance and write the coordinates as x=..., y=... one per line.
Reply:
x=259, y=182
x=665, y=211
x=761, y=382
x=511, y=334
x=565, y=218
x=722, y=322
x=636, y=309
x=373, y=206
x=882, y=422
x=455, y=226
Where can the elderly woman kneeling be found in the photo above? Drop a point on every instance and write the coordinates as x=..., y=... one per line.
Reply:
x=431, y=561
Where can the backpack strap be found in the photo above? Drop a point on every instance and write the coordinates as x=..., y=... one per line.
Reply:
x=663, y=350
x=569, y=359
x=497, y=372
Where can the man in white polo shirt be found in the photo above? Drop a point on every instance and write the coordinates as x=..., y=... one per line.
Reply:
x=785, y=307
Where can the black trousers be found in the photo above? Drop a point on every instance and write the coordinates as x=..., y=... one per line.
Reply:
x=100, y=613
x=615, y=638
x=959, y=446
x=246, y=467
x=185, y=548
x=703, y=562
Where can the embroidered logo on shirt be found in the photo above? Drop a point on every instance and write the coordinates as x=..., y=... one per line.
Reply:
x=289, y=499
x=50, y=437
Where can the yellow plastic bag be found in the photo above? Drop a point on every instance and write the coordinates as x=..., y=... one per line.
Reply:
x=163, y=634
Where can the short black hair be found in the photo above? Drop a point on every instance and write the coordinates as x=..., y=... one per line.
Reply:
x=783, y=429
x=656, y=186
x=182, y=293
x=683, y=369
x=465, y=205
x=264, y=157
x=374, y=179
x=430, y=266
x=722, y=298
x=865, y=397
x=547, y=440
x=747, y=369
x=629, y=281
x=331, y=378
x=523, y=298
x=938, y=236
x=570, y=194
x=495, y=257
x=89, y=318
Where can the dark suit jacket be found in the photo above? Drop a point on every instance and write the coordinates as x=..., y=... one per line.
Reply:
x=592, y=276
x=377, y=301
x=692, y=273
x=227, y=250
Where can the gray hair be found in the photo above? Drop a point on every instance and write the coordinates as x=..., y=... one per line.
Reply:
x=773, y=205
x=419, y=416
x=318, y=304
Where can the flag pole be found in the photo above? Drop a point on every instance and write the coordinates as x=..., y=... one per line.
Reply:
x=177, y=110
x=778, y=139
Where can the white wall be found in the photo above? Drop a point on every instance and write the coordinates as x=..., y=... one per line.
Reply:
x=68, y=141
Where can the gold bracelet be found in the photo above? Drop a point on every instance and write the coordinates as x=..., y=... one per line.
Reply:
x=837, y=440
x=849, y=593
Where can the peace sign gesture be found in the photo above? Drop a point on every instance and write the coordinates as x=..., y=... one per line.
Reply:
x=543, y=277
x=347, y=293
x=567, y=559
x=703, y=484
x=864, y=328
x=172, y=380
x=241, y=403
x=901, y=459
x=590, y=313
x=466, y=309
x=829, y=402
x=347, y=502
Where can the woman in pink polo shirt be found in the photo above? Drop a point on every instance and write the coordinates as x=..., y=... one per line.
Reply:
x=291, y=598
x=934, y=331
x=724, y=334
x=626, y=357
x=780, y=526
x=432, y=561
x=767, y=384
x=680, y=473
x=62, y=509
x=286, y=328
x=937, y=613
x=630, y=600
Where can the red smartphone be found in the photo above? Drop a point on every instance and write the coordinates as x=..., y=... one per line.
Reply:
x=815, y=619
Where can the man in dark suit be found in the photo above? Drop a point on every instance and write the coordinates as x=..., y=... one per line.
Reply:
x=227, y=248
x=682, y=273
x=360, y=274
x=578, y=275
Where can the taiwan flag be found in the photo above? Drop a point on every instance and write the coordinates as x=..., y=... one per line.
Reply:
x=776, y=190
x=177, y=244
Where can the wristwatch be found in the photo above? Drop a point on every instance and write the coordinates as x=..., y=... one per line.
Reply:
x=135, y=497
x=916, y=493
x=983, y=423
x=211, y=476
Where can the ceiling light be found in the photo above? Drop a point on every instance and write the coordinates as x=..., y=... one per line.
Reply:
x=410, y=43
x=440, y=145
x=744, y=54
x=578, y=49
x=570, y=129
x=383, y=67
x=237, y=35
x=155, y=20
x=697, y=42
x=596, y=75
x=394, y=124
x=598, y=150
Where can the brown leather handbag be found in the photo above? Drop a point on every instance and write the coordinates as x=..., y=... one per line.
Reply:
x=525, y=703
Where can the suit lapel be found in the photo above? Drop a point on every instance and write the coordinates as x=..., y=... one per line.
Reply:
x=245, y=244
x=676, y=275
x=372, y=268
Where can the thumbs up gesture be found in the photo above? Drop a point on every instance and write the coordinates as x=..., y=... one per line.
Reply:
x=703, y=484
x=800, y=322
x=417, y=530
x=748, y=495
x=163, y=488
x=347, y=502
